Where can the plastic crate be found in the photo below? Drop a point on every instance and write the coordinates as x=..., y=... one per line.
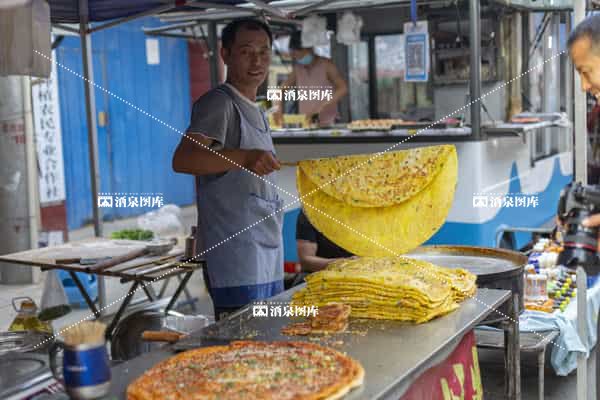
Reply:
x=88, y=281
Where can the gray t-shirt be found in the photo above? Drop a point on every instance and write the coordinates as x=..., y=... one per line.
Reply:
x=214, y=115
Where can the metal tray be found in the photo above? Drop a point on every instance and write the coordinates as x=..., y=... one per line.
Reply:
x=373, y=129
x=486, y=263
x=126, y=342
x=425, y=125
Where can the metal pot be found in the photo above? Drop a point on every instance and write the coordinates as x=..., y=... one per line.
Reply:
x=494, y=268
x=127, y=343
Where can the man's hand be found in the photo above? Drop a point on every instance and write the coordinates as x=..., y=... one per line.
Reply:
x=592, y=221
x=261, y=162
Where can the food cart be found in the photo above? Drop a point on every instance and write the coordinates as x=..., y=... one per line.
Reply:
x=503, y=149
x=498, y=155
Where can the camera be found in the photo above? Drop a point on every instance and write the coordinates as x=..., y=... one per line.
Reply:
x=577, y=202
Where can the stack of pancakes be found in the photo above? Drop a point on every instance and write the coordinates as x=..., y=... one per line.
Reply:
x=396, y=288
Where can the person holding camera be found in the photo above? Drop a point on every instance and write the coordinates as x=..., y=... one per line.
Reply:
x=584, y=49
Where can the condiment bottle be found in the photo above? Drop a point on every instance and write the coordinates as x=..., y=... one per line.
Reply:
x=190, y=245
x=536, y=287
x=27, y=319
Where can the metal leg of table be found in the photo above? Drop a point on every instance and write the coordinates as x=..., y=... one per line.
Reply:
x=149, y=290
x=163, y=288
x=512, y=353
x=187, y=293
x=541, y=363
x=179, y=289
x=582, y=362
x=85, y=295
x=117, y=317
x=592, y=375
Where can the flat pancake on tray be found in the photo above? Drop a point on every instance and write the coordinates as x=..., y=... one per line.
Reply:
x=248, y=370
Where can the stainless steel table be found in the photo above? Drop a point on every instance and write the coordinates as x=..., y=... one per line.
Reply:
x=393, y=354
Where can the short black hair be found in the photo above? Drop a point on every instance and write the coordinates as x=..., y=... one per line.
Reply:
x=295, y=41
x=588, y=28
x=232, y=28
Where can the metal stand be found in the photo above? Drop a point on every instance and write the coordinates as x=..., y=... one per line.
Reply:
x=529, y=342
x=146, y=286
x=149, y=290
x=581, y=331
x=511, y=344
x=151, y=294
x=111, y=327
x=512, y=352
x=586, y=366
x=190, y=299
x=85, y=295
x=179, y=289
x=90, y=114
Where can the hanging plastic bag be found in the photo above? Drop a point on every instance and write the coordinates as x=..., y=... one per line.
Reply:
x=54, y=302
x=164, y=222
x=349, y=26
x=314, y=32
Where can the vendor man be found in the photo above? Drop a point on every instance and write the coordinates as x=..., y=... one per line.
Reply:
x=584, y=48
x=228, y=147
x=313, y=71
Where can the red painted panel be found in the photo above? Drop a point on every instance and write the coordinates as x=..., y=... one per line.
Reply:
x=457, y=377
x=54, y=218
x=200, y=69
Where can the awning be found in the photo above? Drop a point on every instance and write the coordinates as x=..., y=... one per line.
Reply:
x=67, y=11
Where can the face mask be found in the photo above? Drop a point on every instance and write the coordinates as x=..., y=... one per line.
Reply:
x=306, y=60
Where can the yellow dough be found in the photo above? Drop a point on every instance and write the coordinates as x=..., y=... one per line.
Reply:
x=390, y=230
x=377, y=180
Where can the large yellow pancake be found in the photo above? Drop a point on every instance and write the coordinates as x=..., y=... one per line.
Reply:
x=385, y=180
x=382, y=231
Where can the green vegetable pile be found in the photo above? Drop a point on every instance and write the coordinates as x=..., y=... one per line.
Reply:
x=133, y=234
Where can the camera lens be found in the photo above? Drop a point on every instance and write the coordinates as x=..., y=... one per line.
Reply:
x=580, y=243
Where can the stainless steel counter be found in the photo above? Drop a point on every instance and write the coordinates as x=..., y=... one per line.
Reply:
x=428, y=132
x=393, y=354
x=313, y=136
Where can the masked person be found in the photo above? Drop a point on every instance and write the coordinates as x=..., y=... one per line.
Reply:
x=239, y=229
x=584, y=49
x=311, y=71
